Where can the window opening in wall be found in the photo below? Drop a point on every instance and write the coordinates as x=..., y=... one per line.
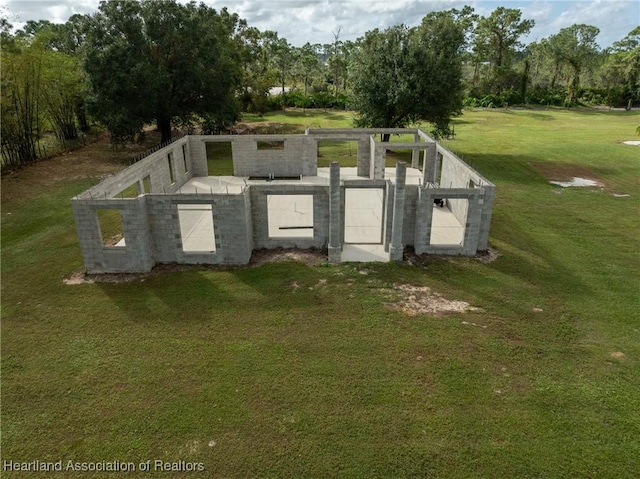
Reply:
x=219, y=158
x=422, y=154
x=172, y=174
x=185, y=161
x=290, y=216
x=271, y=145
x=448, y=223
x=345, y=152
x=110, y=223
x=393, y=156
x=146, y=184
x=363, y=215
x=196, y=228
x=131, y=191
x=439, y=160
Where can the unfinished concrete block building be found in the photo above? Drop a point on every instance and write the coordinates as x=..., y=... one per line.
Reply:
x=167, y=209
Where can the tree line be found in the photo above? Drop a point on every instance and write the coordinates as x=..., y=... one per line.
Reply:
x=191, y=67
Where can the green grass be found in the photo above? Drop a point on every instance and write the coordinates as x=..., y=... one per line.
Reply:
x=300, y=371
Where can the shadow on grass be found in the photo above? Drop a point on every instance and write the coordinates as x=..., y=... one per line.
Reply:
x=195, y=295
x=533, y=114
x=526, y=170
x=316, y=113
x=505, y=168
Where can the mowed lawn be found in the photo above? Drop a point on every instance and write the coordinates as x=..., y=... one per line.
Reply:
x=288, y=370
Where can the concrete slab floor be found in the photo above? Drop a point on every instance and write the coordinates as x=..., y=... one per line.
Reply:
x=364, y=253
x=196, y=228
x=235, y=184
x=292, y=215
x=445, y=228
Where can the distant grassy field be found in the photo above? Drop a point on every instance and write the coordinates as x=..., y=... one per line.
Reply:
x=293, y=370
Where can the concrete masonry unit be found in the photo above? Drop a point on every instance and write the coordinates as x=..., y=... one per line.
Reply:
x=166, y=209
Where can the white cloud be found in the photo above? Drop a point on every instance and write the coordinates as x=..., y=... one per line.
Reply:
x=614, y=18
x=301, y=21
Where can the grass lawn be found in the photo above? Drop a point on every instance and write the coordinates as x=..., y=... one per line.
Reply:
x=293, y=370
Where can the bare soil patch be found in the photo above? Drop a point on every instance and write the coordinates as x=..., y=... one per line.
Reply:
x=487, y=256
x=264, y=128
x=415, y=300
x=307, y=256
x=97, y=159
x=410, y=256
x=566, y=172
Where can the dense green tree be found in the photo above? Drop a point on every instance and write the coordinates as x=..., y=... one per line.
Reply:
x=307, y=65
x=281, y=58
x=496, y=39
x=440, y=42
x=257, y=75
x=621, y=70
x=336, y=62
x=576, y=48
x=63, y=88
x=381, y=91
x=20, y=101
x=163, y=61
x=403, y=75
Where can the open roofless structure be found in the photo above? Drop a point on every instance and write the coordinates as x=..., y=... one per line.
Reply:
x=167, y=209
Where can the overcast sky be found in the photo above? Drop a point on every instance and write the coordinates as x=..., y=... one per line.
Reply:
x=315, y=21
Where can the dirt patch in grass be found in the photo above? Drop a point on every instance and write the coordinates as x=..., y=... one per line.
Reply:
x=265, y=128
x=566, y=172
x=410, y=257
x=415, y=300
x=487, y=256
x=307, y=256
x=95, y=160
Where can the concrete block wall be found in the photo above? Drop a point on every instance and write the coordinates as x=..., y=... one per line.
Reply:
x=135, y=256
x=260, y=216
x=198, y=152
x=486, y=205
x=151, y=226
x=424, y=217
x=298, y=157
x=429, y=166
x=457, y=174
x=410, y=208
x=376, y=160
x=396, y=248
x=231, y=223
x=155, y=167
x=388, y=214
x=348, y=134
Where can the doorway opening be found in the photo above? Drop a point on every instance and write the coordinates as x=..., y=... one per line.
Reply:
x=219, y=158
x=363, y=215
x=196, y=228
x=448, y=222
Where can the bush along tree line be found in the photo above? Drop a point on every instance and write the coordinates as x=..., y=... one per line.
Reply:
x=191, y=67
